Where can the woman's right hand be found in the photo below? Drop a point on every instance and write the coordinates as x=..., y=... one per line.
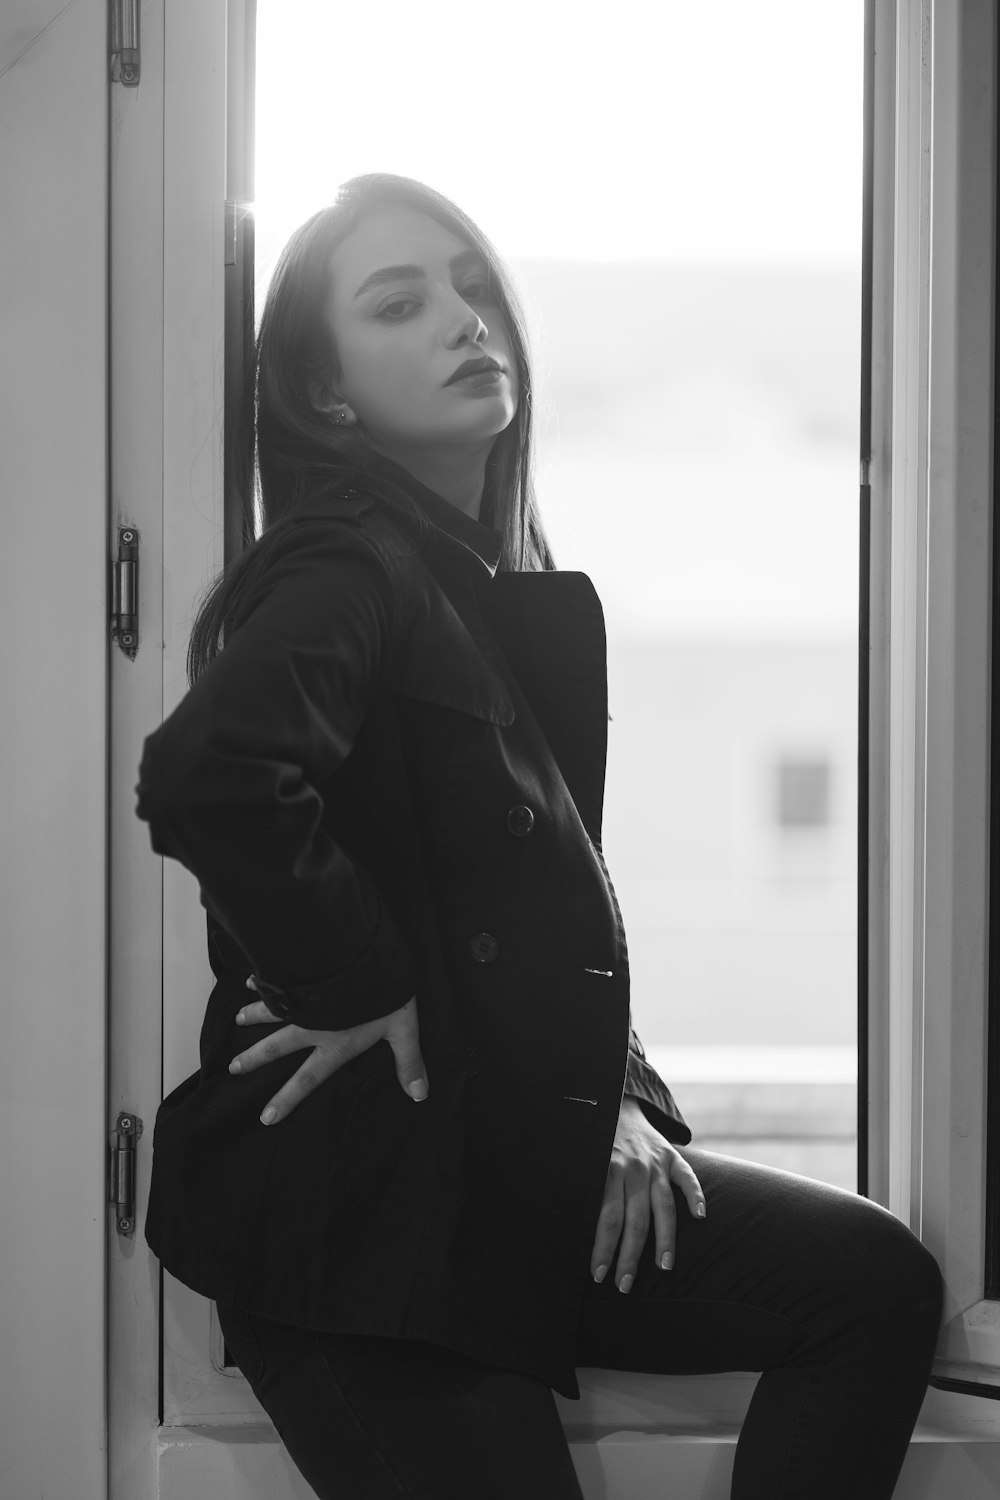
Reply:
x=330, y=1050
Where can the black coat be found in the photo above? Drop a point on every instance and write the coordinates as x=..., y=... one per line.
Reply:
x=390, y=782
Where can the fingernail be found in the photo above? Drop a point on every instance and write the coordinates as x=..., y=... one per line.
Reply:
x=241, y=1018
x=625, y=1285
x=699, y=1212
x=269, y=1115
x=600, y=1273
x=236, y=1066
x=251, y=983
x=666, y=1261
x=418, y=1089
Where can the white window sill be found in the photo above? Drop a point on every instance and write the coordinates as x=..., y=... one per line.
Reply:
x=970, y=1346
x=626, y=1434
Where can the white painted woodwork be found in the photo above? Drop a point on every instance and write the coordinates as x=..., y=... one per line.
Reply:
x=194, y=192
x=882, y=41
x=167, y=195
x=135, y=929
x=53, y=667
x=631, y=1437
x=933, y=415
x=955, y=897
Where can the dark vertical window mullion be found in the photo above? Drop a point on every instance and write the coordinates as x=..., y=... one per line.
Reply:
x=238, y=517
x=238, y=370
x=864, y=587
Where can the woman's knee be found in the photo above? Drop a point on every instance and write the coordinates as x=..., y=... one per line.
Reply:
x=923, y=1287
x=898, y=1274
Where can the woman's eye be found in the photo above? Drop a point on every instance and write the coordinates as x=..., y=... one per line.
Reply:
x=396, y=310
x=476, y=291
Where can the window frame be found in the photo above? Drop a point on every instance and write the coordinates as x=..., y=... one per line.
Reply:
x=919, y=1172
x=929, y=465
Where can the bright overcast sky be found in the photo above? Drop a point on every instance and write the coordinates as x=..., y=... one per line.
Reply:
x=639, y=129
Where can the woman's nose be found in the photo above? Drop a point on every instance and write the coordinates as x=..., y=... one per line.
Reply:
x=465, y=326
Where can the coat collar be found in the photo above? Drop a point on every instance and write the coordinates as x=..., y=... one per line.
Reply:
x=452, y=527
x=549, y=627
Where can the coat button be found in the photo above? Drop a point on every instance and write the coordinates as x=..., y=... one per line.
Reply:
x=484, y=947
x=520, y=821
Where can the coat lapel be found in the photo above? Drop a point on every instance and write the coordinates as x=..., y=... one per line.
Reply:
x=445, y=655
x=550, y=628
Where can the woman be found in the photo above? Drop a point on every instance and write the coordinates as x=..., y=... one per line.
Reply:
x=427, y=1171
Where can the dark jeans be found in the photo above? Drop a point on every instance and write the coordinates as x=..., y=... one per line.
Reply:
x=827, y=1294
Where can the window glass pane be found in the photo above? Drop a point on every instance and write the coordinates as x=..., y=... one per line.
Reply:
x=679, y=189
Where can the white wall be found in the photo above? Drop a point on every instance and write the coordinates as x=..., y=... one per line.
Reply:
x=53, y=574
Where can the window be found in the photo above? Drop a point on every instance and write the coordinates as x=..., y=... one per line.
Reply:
x=698, y=353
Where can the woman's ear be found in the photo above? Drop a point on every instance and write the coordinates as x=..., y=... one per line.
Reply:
x=327, y=403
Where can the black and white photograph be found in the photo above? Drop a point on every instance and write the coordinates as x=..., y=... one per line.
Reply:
x=501, y=805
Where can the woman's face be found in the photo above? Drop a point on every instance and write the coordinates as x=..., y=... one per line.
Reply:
x=409, y=305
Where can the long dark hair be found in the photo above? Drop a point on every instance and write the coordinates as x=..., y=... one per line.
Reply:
x=284, y=451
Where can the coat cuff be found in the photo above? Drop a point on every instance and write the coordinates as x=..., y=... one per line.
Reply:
x=380, y=981
x=642, y=1082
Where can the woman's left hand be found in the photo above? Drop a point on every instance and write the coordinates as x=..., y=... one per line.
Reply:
x=643, y=1168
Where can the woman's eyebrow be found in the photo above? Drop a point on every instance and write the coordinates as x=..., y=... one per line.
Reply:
x=403, y=273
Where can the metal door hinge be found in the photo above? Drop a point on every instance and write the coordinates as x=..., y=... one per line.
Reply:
x=125, y=42
x=121, y=1191
x=125, y=616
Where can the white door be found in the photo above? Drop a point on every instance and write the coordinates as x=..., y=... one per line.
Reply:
x=169, y=183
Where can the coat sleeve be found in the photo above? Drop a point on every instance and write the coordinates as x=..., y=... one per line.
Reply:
x=230, y=783
x=643, y=1082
